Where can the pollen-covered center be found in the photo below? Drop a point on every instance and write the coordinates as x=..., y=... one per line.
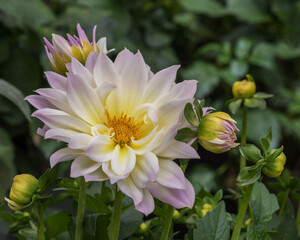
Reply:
x=123, y=128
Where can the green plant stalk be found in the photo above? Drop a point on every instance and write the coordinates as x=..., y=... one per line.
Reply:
x=41, y=234
x=80, y=209
x=244, y=134
x=168, y=223
x=285, y=198
x=114, y=226
x=298, y=220
x=241, y=213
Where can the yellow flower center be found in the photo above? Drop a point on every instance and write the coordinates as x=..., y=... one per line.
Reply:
x=123, y=128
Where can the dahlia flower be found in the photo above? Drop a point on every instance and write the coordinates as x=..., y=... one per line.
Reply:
x=216, y=132
x=62, y=50
x=119, y=121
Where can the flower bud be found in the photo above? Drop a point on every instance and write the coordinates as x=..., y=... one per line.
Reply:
x=216, y=132
x=275, y=167
x=205, y=209
x=243, y=89
x=61, y=50
x=143, y=227
x=176, y=214
x=247, y=222
x=22, y=191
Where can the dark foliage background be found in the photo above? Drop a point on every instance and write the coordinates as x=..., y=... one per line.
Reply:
x=216, y=42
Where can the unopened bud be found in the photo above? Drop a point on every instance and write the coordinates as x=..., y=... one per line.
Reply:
x=275, y=167
x=243, y=89
x=205, y=209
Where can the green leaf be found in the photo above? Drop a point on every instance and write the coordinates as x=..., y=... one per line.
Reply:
x=255, y=102
x=185, y=134
x=49, y=179
x=209, y=7
x=287, y=228
x=269, y=135
x=190, y=115
x=262, y=205
x=265, y=144
x=249, y=175
x=96, y=204
x=57, y=224
x=235, y=105
x=242, y=48
x=130, y=222
x=262, y=95
x=263, y=56
x=214, y=226
x=238, y=67
x=28, y=233
x=206, y=74
x=251, y=153
x=198, y=109
x=274, y=154
x=13, y=94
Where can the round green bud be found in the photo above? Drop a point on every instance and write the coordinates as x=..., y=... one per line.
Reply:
x=275, y=167
x=243, y=89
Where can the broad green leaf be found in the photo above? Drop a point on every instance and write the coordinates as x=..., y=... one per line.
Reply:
x=262, y=205
x=28, y=233
x=190, y=115
x=235, y=105
x=255, y=102
x=265, y=144
x=96, y=204
x=262, y=95
x=57, y=224
x=185, y=134
x=209, y=7
x=269, y=135
x=242, y=48
x=251, y=153
x=13, y=94
x=249, y=175
x=263, y=55
x=130, y=221
x=214, y=226
x=49, y=179
x=238, y=68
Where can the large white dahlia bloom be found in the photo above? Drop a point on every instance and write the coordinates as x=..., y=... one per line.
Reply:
x=119, y=121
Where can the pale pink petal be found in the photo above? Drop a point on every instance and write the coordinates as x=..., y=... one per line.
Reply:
x=61, y=45
x=56, y=80
x=128, y=187
x=39, y=102
x=179, y=149
x=106, y=166
x=177, y=198
x=64, y=154
x=160, y=84
x=105, y=71
x=60, y=134
x=102, y=46
x=91, y=61
x=80, y=141
x=77, y=68
x=82, y=165
x=84, y=100
x=123, y=160
x=146, y=206
x=170, y=175
x=81, y=33
x=97, y=175
x=185, y=89
x=122, y=59
x=146, y=170
x=101, y=148
x=42, y=131
x=167, y=139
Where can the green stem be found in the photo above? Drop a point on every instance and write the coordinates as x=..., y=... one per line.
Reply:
x=285, y=198
x=113, y=228
x=244, y=134
x=298, y=220
x=168, y=223
x=41, y=235
x=241, y=213
x=80, y=209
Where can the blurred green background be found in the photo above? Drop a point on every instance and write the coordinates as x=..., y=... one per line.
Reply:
x=216, y=42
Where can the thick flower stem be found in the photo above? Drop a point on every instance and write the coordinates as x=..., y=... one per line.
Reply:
x=41, y=235
x=168, y=223
x=241, y=213
x=80, y=209
x=285, y=198
x=114, y=227
x=244, y=134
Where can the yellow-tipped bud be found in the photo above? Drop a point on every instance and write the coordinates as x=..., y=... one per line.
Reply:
x=176, y=214
x=22, y=191
x=205, y=209
x=247, y=222
x=143, y=227
x=243, y=89
x=216, y=132
x=275, y=167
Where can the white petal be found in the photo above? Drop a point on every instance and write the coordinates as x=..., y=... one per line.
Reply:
x=128, y=187
x=84, y=100
x=61, y=45
x=122, y=59
x=60, y=134
x=82, y=165
x=145, y=170
x=77, y=68
x=90, y=61
x=147, y=111
x=39, y=102
x=123, y=160
x=97, y=175
x=104, y=89
x=56, y=80
x=101, y=148
x=185, y=89
x=59, y=119
x=170, y=175
x=179, y=150
x=80, y=141
x=106, y=166
x=105, y=71
x=146, y=206
x=62, y=155
x=167, y=140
